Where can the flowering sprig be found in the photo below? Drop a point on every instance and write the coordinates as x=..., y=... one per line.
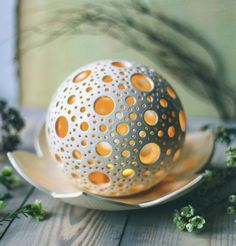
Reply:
x=211, y=193
x=185, y=219
x=11, y=181
x=34, y=210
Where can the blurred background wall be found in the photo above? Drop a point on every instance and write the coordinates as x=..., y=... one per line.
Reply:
x=8, y=81
x=43, y=68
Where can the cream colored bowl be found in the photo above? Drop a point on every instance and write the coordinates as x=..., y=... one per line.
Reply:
x=43, y=172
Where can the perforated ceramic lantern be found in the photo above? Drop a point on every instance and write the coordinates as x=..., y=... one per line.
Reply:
x=115, y=127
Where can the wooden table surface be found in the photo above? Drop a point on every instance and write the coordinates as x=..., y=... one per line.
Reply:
x=68, y=225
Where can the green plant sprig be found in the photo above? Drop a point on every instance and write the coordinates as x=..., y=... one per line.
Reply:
x=206, y=199
x=34, y=210
x=211, y=194
x=11, y=181
x=185, y=219
x=11, y=123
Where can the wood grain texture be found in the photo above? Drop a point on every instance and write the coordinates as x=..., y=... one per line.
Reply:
x=68, y=225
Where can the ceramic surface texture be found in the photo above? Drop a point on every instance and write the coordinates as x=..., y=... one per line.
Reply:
x=115, y=127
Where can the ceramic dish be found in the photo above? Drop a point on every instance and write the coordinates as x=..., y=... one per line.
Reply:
x=43, y=172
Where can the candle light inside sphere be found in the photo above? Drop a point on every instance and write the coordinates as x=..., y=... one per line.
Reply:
x=115, y=127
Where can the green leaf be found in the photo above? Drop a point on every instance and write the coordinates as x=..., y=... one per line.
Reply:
x=189, y=227
x=180, y=225
x=187, y=211
x=2, y=204
x=198, y=221
x=186, y=220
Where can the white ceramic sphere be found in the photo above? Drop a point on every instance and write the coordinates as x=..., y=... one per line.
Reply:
x=115, y=127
